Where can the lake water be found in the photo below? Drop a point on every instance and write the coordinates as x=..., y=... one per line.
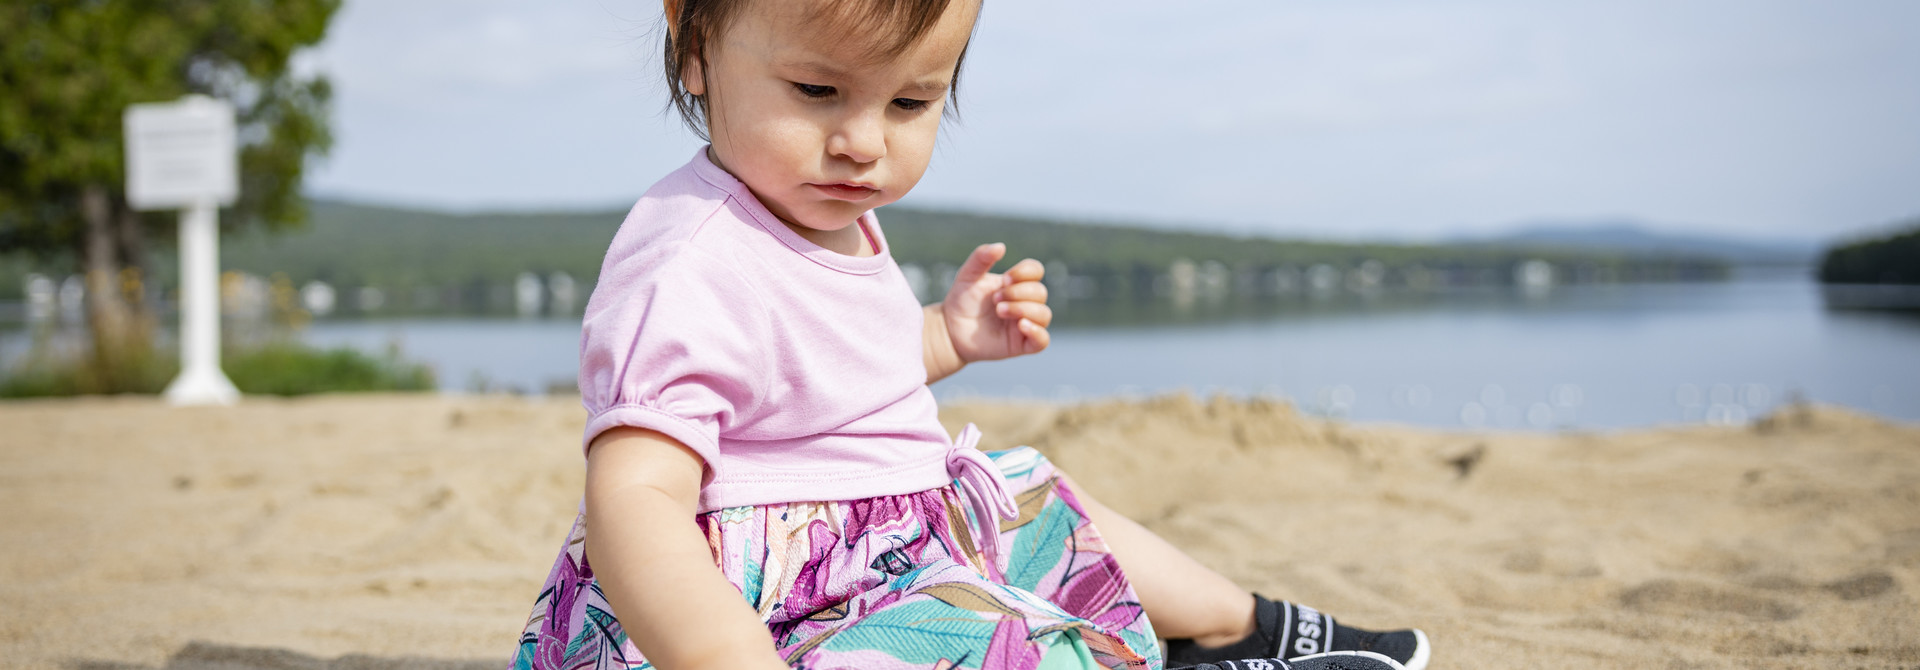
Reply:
x=1575, y=357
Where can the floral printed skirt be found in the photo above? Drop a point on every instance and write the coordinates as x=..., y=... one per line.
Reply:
x=889, y=582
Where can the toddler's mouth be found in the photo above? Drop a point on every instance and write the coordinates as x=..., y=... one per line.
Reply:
x=847, y=191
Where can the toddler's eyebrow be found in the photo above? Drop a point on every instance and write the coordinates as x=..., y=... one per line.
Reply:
x=815, y=68
x=933, y=88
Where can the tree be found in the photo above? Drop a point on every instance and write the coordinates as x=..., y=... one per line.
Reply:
x=69, y=68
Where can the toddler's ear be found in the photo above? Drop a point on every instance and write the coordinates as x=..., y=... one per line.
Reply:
x=693, y=78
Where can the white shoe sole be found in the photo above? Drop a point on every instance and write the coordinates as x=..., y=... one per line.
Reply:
x=1421, y=652
x=1382, y=658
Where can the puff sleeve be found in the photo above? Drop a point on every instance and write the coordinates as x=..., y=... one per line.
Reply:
x=674, y=341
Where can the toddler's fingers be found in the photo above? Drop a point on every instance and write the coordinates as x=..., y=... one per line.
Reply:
x=1037, y=312
x=1028, y=291
x=1027, y=270
x=979, y=262
x=1037, y=336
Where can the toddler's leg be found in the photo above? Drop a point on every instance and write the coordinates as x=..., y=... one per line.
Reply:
x=1207, y=618
x=1182, y=598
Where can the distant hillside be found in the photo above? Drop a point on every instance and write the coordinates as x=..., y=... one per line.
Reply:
x=1127, y=260
x=1637, y=238
x=1894, y=259
x=354, y=244
x=412, y=260
x=469, y=260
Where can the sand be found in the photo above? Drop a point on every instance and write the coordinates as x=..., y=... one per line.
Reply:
x=404, y=531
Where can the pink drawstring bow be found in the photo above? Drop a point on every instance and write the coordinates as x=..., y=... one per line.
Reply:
x=980, y=482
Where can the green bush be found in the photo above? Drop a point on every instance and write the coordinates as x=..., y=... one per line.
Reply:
x=288, y=368
x=279, y=368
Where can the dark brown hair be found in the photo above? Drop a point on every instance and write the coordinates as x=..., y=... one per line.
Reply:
x=894, y=26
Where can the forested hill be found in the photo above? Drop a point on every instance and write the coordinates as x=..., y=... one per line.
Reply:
x=351, y=245
x=932, y=238
x=1892, y=259
x=468, y=260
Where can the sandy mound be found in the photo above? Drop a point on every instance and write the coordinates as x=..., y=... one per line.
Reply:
x=382, y=531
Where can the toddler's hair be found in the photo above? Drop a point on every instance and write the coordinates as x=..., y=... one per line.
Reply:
x=890, y=27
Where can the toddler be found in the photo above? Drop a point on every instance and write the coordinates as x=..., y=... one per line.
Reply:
x=768, y=484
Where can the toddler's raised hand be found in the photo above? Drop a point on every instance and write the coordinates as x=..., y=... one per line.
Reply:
x=993, y=316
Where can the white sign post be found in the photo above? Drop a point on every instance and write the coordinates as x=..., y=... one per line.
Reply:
x=183, y=155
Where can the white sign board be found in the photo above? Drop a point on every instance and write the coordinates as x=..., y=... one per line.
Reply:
x=181, y=153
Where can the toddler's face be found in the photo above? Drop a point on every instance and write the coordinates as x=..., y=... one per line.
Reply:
x=817, y=131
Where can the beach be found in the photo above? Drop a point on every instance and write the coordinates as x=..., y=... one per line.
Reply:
x=403, y=531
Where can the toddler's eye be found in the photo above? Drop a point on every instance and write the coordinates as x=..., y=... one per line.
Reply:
x=910, y=104
x=813, y=91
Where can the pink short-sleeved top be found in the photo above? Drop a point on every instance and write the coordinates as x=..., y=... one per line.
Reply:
x=794, y=371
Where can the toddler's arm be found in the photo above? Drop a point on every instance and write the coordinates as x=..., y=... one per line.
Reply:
x=654, y=565
x=987, y=316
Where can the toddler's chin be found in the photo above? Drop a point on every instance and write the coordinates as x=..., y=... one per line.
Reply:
x=830, y=219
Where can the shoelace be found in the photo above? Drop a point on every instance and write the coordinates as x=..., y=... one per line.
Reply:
x=986, y=492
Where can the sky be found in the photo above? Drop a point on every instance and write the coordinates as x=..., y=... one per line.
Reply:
x=1345, y=119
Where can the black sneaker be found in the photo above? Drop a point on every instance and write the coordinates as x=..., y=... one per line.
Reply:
x=1286, y=630
x=1332, y=660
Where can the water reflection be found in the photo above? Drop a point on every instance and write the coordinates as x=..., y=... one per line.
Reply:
x=1338, y=302
x=1889, y=297
x=1585, y=357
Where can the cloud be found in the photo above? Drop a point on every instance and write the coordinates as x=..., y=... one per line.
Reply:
x=1362, y=117
x=414, y=50
x=1402, y=116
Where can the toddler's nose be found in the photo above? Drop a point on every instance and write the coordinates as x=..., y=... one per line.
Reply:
x=861, y=139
